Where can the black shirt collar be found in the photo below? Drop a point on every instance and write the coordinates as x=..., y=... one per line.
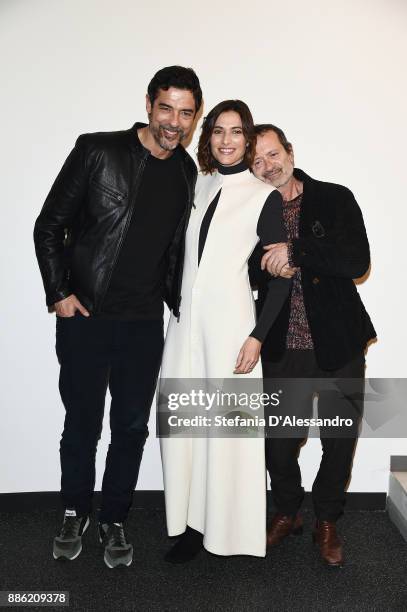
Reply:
x=240, y=167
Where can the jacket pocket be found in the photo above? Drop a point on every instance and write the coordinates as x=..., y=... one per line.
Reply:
x=108, y=190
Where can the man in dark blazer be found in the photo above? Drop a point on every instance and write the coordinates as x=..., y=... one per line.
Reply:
x=321, y=333
x=109, y=242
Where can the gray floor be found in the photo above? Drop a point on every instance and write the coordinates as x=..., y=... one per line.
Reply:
x=291, y=578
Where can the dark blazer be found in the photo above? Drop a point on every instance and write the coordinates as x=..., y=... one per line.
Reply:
x=332, y=249
x=82, y=225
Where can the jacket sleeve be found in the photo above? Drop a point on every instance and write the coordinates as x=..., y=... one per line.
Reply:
x=56, y=216
x=343, y=252
x=270, y=229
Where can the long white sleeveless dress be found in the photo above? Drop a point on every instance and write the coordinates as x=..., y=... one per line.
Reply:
x=217, y=486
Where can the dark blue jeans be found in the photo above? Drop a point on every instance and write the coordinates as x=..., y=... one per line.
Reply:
x=329, y=488
x=95, y=354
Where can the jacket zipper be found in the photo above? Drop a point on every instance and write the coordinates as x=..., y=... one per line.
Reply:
x=126, y=227
x=109, y=191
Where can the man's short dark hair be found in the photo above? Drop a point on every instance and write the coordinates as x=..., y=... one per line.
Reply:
x=262, y=128
x=175, y=76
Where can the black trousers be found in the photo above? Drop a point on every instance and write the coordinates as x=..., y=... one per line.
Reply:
x=329, y=488
x=95, y=354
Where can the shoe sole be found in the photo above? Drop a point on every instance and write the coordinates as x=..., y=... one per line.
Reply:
x=64, y=557
x=295, y=532
x=324, y=561
x=116, y=564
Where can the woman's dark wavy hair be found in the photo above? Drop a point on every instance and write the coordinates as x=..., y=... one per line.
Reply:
x=175, y=76
x=207, y=162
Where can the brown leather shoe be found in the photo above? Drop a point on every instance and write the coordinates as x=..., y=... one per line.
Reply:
x=330, y=546
x=283, y=526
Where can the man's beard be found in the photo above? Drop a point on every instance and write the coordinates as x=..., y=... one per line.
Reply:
x=156, y=131
x=277, y=179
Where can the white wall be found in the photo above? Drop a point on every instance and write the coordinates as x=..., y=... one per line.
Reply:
x=331, y=74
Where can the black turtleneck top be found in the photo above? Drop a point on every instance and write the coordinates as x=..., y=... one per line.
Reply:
x=270, y=229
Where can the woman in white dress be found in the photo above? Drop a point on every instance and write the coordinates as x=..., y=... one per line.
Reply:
x=215, y=488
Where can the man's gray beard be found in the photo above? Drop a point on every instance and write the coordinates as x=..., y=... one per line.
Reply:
x=283, y=184
x=167, y=147
x=161, y=142
x=278, y=185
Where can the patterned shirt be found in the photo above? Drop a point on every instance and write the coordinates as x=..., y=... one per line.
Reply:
x=298, y=335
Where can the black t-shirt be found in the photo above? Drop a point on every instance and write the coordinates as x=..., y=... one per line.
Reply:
x=136, y=287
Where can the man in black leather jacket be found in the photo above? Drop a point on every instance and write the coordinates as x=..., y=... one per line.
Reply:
x=321, y=333
x=110, y=243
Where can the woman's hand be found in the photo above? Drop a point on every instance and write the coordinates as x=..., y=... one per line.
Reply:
x=248, y=356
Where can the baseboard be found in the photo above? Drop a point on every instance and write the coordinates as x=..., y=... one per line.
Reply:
x=398, y=463
x=398, y=519
x=50, y=501
x=44, y=501
x=354, y=501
